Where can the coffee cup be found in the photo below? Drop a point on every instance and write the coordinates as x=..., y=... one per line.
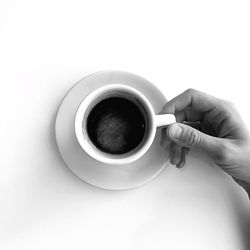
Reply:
x=116, y=124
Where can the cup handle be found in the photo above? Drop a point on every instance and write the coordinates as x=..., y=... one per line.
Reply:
x=164, y=120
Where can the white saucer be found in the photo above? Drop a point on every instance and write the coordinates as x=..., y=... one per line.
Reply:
x=112, y=177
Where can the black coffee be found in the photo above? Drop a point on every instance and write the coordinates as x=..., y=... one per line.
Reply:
x=116, y=125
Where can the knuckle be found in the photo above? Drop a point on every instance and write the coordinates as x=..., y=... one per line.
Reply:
x=232, y=106
x=228, y=106
x=195, y=138
x=192, y=138
x=229, y=103
x=191, y=91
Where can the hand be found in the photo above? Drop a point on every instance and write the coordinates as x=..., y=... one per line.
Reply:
x=214, y=126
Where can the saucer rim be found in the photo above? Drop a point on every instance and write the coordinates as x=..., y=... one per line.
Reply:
x=160, y=98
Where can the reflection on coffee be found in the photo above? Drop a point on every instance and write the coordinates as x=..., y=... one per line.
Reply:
x=116, y=125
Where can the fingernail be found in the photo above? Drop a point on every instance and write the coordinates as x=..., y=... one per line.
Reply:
x=175, y=131
x=174, y=160
x=180, y=165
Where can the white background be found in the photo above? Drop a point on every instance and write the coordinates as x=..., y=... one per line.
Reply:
x=45, y=47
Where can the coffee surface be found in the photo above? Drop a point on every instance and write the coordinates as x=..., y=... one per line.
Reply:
x=116, y=125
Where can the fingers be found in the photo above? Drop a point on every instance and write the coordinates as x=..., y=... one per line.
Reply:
x=194, y=99
x=177, y=153
x=189, y=106
x=180, y=138
x=184, y=152
x=188, y=137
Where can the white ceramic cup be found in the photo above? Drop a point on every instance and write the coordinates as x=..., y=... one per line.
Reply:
x=153, y=121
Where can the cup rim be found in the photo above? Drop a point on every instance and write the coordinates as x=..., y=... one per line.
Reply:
x=85, y=142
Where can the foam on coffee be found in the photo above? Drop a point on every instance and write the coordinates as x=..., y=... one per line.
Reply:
x=116, y=125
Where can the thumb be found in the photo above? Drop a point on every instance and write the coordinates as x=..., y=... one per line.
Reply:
x=189, y=137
